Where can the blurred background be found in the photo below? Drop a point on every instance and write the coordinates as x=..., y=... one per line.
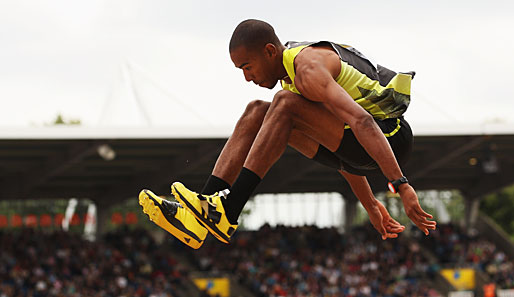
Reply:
x=101, y=99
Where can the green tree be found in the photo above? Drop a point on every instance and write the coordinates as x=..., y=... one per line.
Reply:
x=500, y=207
x=60, y=120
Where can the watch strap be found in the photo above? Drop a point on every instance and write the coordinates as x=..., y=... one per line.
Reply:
x=393, y=185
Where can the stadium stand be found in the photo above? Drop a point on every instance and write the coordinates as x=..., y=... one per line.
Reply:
x=307, y=261
x=281, y=261
x=125, y=263
x=454, y=248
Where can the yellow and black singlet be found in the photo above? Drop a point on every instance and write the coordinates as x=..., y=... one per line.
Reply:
x=382, y=92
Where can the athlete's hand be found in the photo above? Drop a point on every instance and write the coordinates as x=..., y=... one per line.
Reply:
x=390, y=224
x=413, y=210
x=382, y=221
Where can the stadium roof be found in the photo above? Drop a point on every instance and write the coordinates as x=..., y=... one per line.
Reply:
x=63, y=162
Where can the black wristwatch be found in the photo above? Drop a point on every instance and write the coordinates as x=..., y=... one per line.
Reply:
x=393, y=185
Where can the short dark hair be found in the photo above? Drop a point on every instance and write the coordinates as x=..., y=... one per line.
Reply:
x=253, y=34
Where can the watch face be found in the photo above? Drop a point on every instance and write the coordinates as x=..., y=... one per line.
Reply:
x=391, y=187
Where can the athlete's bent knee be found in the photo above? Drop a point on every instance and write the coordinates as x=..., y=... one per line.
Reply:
x=257, y=106
x=284, y=101
x=254, y=114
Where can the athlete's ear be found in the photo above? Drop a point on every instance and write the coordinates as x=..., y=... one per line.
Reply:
x=270, y=49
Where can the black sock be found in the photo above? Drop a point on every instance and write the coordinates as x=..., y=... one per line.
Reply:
x=327, y=158
x=241, y=191
x=213, y=185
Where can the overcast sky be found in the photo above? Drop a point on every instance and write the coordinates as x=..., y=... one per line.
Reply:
x=89, y=60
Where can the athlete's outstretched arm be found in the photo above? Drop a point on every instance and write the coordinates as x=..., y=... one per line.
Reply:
x=378, y=214
x=316, y=69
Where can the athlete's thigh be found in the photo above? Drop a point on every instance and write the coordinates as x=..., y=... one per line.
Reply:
x=303, y=143
x=315, y=120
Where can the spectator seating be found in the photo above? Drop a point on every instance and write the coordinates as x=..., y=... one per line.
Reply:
x=454, y=248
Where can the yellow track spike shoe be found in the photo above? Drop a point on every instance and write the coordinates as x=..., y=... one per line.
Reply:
x=174, y=218
x=208, y=209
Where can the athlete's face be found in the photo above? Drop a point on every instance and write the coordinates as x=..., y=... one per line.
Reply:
x=258, y=65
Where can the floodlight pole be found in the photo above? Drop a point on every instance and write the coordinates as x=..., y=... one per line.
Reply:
x=471, y=212
x=349, y=210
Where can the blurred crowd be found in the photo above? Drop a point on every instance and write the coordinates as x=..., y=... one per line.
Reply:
x=126, y=263
x=455, y=248
x=281, y=261
x=307, y=261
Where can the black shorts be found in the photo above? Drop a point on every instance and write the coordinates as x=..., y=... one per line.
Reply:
x=355, y=159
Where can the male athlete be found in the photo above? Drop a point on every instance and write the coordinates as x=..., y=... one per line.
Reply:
x=335, y=107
